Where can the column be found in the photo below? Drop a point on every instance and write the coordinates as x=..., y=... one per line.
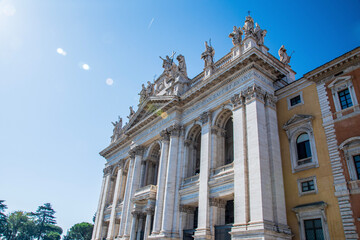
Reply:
x=241, y=196
x=149, y=213
x=135, y=219
x=118, y=186
x=161, y=182
x=169, y=196
x=180, y=166
x=217, y=213
x=140, y=225
x=124, y=212
x=142, y=174
x=203, y=230
x=99, y=208
x=100, y=214
x=147, y=170
x=185, y=159
x=134, y=185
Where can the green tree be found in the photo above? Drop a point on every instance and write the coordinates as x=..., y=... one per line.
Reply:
x=20, y=226
x=45, y=219
x=3, y=217
x=80, y=231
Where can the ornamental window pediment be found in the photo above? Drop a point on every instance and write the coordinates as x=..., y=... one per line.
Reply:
x=302, y=142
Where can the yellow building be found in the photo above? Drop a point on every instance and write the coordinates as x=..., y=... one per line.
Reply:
x=308, y=180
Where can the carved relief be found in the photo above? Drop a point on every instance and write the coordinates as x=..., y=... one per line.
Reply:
x=204, y=117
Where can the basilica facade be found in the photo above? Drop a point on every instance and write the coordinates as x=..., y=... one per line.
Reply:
x=240, y=151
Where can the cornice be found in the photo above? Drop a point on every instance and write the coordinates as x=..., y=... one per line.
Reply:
x=334, y=66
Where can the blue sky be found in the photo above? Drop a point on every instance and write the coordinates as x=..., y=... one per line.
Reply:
x=56, y=116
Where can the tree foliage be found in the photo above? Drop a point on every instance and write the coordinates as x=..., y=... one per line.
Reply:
x=44, y=218
x=80, y=231
x=21, y=225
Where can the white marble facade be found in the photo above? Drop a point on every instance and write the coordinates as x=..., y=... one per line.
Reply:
x=200, y=158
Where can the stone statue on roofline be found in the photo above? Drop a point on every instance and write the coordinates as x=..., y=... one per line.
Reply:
x=236, y=35
x=182, y=65
x=284, y=57
x=149, y=89
x=117, y=130
x=208, y=55
x=132, y=112
x=248, y=26
x=259, y=34
x=169, y=66
x=142, y=94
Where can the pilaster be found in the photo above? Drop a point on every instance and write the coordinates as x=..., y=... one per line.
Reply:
x=118, y=187
x=99, y=208
x=107, y=173
x=134, y=185
x=203, y=230
x=169, y=197
x=161, y=182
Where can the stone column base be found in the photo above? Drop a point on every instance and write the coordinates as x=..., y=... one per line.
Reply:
x=261, y=230
x=202, y=234
x=165, y=236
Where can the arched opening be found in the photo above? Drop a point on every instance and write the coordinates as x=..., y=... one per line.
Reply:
x=224, y=139
x=151, y=166
x=229, y=141
x=303, y=149
x=193, y=144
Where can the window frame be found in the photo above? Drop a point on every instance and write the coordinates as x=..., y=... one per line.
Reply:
x=309, y=212
x=302, y=180
x=294, y=96
x=296, y=126
x=351, y=148
x=339, y=84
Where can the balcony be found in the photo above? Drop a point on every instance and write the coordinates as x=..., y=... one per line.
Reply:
x=191, y=179
x=223, y=169
x=354, y=186
x=145, y=193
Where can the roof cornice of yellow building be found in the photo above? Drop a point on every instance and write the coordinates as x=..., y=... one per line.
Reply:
x=334, y=66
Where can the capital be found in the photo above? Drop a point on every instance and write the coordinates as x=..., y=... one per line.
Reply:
x=237, y=100
x=165, y=135
x=175, y=130
x=187, y=142
x=270, y=100
x=254, y=92
x=186, y=209
x=108, y=170
x=204, y=117
x=217, y=202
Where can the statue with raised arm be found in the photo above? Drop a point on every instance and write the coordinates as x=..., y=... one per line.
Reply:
x=208, y=55
x=259, y=34
x=169, y=65
x=236, y=35
x=284, y=57
x=182, y=65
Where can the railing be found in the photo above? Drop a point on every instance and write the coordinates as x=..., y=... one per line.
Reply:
x=223, y=169
x=224, y=61
x=191, y=179
x=145, y=189
x=223, y=232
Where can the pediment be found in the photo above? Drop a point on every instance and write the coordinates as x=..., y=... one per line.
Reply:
x=152, y=106
x=297, y=119
x=339, y=80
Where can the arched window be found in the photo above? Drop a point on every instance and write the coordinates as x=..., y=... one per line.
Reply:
x=197, y=153
x=229, y=142
x=303, y=149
